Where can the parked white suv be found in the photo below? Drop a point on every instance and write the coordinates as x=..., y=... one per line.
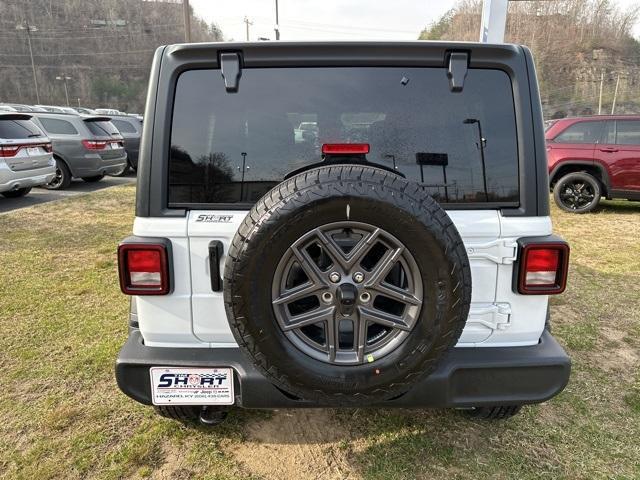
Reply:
x=26, y=158
x=401, y=256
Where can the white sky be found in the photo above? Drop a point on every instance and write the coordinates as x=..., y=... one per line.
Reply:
x=330, y=19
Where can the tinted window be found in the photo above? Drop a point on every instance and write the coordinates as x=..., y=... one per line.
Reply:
x=581, y=132
x=230, y=148
x=102, y=128
x=16, y=129
x=609, y=133
x=628, y=132
x=123, y=126
x=59, y=127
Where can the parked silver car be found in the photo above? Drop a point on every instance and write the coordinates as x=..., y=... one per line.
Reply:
x=84, y=146
x=131, y=129
x=19, y=107
x=25, y=155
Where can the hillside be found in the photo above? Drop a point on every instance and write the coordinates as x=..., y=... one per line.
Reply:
x=575, y=43
x=104, y=46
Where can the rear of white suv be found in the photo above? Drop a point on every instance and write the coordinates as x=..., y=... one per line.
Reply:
x=400, y=254
x=26, y=158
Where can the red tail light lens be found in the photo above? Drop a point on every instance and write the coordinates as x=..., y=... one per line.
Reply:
x=345, y=148
x=9, y=150
x=543, y=269
x=144, y=269
x=12, y=150
x=94, y=145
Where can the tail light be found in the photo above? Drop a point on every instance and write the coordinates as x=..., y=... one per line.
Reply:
x=9, y=150
x=543, y=268
x=12, y=150
x=94, y=145
x=144, y=268
x=345, y=148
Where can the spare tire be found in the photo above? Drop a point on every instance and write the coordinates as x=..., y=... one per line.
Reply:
x=346, y=284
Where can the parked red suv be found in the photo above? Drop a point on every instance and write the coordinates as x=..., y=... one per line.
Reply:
x=593, y=157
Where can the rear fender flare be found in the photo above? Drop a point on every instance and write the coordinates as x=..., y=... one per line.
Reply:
x=604, y=174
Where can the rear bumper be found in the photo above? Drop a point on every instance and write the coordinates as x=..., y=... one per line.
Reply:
x=467, y=377
x=11, y=180
x=94, y=164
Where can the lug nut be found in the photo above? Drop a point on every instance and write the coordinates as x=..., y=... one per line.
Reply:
x=327, y=297
x=334, y=277
x=365, y=297
x=358, y=277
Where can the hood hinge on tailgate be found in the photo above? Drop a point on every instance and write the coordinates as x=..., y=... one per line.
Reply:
x=496, y=316
x=499, y=251
x=231, y=69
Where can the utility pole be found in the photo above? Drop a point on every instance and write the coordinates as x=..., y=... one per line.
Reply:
x=29, y=28
x=615, y=95
x=187, y=21
x=600, y=96
x=277, y=23
x=247, y=23
x=64, y=77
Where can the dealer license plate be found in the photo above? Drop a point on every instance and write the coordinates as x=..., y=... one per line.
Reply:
x=191, y=386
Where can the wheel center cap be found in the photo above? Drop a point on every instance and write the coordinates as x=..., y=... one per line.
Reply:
x=346, y=295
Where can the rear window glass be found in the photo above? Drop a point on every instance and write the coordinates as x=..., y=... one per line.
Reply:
x=18, y=129
x=102, y=128
x=581, y=132
x=232, y=148
x=58, y=127
x=124, y=126
x=628, y=132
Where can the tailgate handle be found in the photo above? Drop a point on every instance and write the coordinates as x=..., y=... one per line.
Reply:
x=215, y=254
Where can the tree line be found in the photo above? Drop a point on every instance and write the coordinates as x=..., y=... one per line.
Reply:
x=578, y=45
x=101, y=49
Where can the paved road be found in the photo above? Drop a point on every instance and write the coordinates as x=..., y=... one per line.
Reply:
x=77, y=187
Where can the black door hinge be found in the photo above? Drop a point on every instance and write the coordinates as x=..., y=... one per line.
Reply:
x=231, y=69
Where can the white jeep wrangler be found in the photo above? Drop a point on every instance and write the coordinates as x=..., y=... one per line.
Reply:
x=396, y=252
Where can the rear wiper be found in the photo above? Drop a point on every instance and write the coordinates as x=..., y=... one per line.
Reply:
x=34, y=135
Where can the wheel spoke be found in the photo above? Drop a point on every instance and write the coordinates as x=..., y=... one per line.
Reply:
x=359, y=337
x=335, y=253
x=362, y=247
x=383, y=318
x=396, y=293
x=383, y=266
x=347, y=261
x=309, y=267
x=317, y=315
x=304, y=290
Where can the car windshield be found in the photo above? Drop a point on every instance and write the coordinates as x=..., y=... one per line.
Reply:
x=232, y=148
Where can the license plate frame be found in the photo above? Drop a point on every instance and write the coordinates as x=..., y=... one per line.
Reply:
x=192, y=385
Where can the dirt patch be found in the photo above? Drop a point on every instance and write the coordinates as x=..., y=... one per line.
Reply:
x=620, y=355
x=296, y=444
x=173, y=467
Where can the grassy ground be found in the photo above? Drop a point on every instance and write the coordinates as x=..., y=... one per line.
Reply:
x=61, y=415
